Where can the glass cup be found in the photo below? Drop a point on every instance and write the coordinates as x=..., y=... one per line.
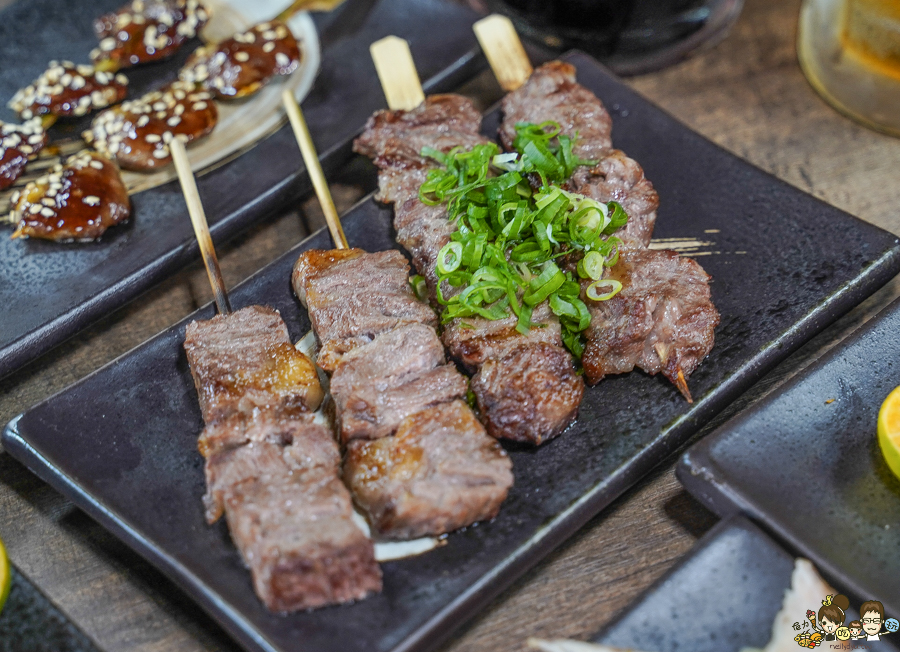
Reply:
x=629, y=36
x=849, y=51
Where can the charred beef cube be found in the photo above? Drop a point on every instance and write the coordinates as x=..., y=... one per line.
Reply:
x=402, y=372
x=440, y=472
x=662, y=320
x=245, y=361
x=526, y=386
x=353, y=296
x=232, y=455
x=529, y=394
x=295, y=531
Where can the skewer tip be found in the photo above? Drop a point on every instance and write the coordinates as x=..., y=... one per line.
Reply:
x=682, y=386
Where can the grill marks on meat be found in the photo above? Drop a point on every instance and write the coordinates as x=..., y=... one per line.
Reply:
x=396, y=401
x=271, y=469
x=245, y=361
x=399, y=374
x=394, y=139
x=343, y=317
x=531, y=392
x=439, y=472
x=551, y=93
x=662, y=320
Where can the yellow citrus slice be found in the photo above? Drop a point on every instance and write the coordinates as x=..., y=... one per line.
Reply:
x=889, y=430
x=5, y=576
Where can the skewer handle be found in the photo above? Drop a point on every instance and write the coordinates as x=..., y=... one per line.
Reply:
x=311, y=159
x=504, y=51
x=201, y=228
x=397, y=73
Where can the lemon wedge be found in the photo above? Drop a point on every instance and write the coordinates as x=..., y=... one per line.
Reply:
x=5, y=576
x=889, y=430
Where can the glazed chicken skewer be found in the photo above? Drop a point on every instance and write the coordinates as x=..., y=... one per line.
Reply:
x=271, y=467
x=417, y=460
x=525, y=384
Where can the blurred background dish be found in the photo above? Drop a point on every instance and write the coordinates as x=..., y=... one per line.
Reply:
x=628, y=36
x=850, y=53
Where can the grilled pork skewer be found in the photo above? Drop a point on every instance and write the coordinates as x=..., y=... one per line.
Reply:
x=417, y=460
x=270, y=467
x=525, y=385
x=663, y=319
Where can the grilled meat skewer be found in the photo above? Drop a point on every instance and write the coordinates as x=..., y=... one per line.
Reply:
x=525, y=385
x=663, y=319
x=551, y=93
x=418, y=461
x=271, y=468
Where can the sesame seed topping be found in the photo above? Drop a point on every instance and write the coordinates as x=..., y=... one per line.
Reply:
x=97, y=165
x=241, y=56
x=47, y=212
x=91, y=200
x=268, y=47
x=160, y=153
x=282, y=59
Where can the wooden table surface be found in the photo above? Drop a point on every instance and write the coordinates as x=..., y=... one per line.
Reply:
x=746, y=94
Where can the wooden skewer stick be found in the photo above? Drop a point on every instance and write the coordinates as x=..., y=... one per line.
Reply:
x=397, y=73
x=311, y=159
x=201, y=228
x=504, y=51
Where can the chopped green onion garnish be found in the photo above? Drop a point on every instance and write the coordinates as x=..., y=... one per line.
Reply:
x=506, y=254
x=595, y=292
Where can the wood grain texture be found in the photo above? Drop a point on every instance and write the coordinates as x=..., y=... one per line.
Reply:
x=747, y=94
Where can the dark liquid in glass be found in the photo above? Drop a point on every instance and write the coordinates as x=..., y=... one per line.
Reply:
x=632, y=35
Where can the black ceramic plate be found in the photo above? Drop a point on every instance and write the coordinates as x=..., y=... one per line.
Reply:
x=122, y=443
x=721, y=598
x=30, y=623
x=806, y=462
x=50, y=291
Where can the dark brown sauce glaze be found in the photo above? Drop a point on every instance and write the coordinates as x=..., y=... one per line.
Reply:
x=137, y=133
x=241, y=65
x=77, y=201
x=18, y=144
x=65, y=89
x=146, y=30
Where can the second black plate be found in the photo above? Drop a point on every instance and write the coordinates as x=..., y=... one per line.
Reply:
x=723, y=597
x=122, y=442
x=51, y=291
x=806, y=462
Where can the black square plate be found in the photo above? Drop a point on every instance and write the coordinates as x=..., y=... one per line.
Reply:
x=122, y=442
x=806, y=462
x=50, y=291
x=722, y=597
